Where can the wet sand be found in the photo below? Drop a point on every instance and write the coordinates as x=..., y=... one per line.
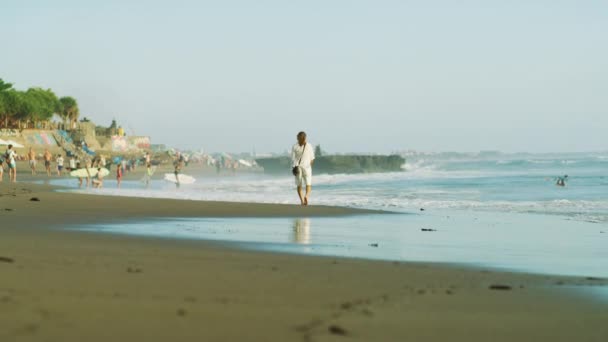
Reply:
x=60, y=285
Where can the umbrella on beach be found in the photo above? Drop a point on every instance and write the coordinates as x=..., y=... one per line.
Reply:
x=15, y=144
x=10, y=142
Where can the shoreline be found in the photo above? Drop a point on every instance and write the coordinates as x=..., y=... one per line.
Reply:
x=61, y=285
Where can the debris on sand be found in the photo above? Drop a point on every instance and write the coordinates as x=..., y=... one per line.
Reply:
x=6, y=259
x=500, y=287
x=428, y=230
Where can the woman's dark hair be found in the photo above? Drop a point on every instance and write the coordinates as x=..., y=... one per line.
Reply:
x=302, y=134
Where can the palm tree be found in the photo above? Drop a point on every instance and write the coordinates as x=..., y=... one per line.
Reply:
x=69, y=109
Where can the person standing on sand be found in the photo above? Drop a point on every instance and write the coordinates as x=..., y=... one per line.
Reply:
x=118, y=174
x=59, y=164
x=47, y=161
x=303, y=157
x=147, y=158
x=72, y=163
x=31, y=158
x=10, y=158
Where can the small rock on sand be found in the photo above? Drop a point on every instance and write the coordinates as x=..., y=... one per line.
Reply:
x=34, y=199
x=337, y=330
x=6, y=259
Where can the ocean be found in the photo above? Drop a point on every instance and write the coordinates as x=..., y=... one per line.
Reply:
x=505, y=184
x=499, y=211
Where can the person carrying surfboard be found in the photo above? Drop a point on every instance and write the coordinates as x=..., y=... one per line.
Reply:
x=98, y=179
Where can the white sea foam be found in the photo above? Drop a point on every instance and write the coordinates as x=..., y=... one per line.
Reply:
x=427, y=183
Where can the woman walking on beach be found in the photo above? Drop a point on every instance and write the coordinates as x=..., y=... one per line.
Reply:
x=303, y=157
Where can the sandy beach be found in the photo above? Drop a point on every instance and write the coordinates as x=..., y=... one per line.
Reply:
x=61, y=285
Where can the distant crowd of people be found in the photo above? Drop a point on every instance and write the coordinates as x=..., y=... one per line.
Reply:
x=56, y=165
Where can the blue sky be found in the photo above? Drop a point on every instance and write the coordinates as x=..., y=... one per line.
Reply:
x=359, y=76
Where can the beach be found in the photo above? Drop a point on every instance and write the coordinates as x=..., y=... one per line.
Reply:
x=65, y=285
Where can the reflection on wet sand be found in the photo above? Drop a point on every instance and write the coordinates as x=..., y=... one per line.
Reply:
x=301, y=231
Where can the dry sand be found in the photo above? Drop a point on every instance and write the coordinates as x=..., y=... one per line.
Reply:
x=57, y=285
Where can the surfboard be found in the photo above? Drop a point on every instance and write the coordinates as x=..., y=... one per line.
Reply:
x=82, y=173
x=183, y=179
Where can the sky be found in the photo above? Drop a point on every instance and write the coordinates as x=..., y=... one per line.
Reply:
x=357, y=76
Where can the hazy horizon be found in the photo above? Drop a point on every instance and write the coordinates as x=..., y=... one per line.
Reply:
x=358, y=76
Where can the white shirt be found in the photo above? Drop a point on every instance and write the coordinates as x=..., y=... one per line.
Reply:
x=60, y=161
x=306, y=152
x=10, y=156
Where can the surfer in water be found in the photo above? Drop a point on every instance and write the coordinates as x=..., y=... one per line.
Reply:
x=561, y=181
x=178, y=163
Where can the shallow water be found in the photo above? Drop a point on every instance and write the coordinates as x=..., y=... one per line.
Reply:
x=502, y=211
x=520, y=242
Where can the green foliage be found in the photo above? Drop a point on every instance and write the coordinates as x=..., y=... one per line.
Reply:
x=13, y=105
x=42, y=104
x=69, y=109
x=4, y=87
x=34, y=104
